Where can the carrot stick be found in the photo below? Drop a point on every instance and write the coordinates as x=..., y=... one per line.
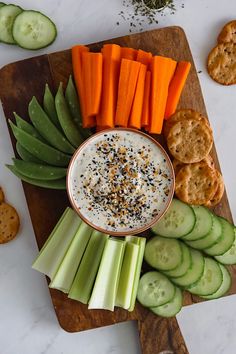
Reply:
x=176, y=87
x=92, y=78
x=172, y=69
x=161, y=68
x=128, y=53
x=144, y=57
x=129, y=71
x=146, y=100
x=136, y=111
x=111, y=68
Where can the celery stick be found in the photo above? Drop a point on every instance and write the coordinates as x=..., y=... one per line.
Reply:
x=141, y=241
x=68, y=267
x=106, y=283
x=127, y=275
x=84, y=280
x=51, y=256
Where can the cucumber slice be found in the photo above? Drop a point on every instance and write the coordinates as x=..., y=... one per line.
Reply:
x=185, y=264
x=171, y=308
x=210, y=281
x=194, y=273
x=33, y=30
x=203, y=223
x=2, y=4
x=225, y=285
x=178, y=221
x=229, y=257
x=155, y=289
x=225, y=241
x=8, y=14
x=163, y=253
x=211, y=238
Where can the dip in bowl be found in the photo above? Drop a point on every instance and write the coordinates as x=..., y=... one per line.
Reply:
x=120, y=181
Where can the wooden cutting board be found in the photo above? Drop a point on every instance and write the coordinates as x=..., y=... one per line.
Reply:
x=23, y=79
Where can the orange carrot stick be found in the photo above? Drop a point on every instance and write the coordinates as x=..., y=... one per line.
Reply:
x=146, y=100
x=129, y=71
x=136, y=111
x=128, y=53
x=161, y=67
x=92, y=78
x=144, y=57
x=111, y=68
x=176, y=87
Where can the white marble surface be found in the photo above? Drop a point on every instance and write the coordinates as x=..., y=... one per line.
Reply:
x=28, y=323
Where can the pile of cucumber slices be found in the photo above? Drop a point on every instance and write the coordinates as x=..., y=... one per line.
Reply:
x=189, y=252
x=28, y=29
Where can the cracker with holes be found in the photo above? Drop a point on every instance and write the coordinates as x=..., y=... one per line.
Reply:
x=9, y=220
x=221, y=63
x=182, y=114
x=177, y=165
x=190, y=141
x=228, y=33
x=219, y=191
x=196, y=183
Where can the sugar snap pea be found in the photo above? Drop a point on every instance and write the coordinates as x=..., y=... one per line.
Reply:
x=27, y=127
x=38, y=149
x=55, y=184
x=25, y=155
x=47, y=129
x=49, y=106
x=74, y=106
x=68, y=125
x=39, y=171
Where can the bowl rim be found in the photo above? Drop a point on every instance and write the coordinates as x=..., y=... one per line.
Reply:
x=128, y=232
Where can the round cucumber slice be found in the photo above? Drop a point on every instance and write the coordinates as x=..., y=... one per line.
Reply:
x=33, y=30
x=203, y=225
x=185, y=264
x=211, y=238
x=163, y=253
x=155, y=289
x=225, y=241
x=178, y=221
x=229, y=257
x=225, y=285
x=2, y=4
x=210, y=281
x=171, y=308
x=8, y=13
x=194, y=273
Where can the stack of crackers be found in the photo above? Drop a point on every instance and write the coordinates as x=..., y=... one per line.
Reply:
x=221, y=63
x=9, y=220
x=189, y=139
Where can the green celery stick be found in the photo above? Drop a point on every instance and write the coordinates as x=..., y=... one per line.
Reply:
x=51, y=256
x=84, y=280
x=141, y=241
x=68, y=267
x=127, y=275
x=106, y=283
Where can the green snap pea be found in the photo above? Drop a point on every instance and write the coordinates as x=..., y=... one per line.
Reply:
x=49, y=106
x=56, y=184
x=68, y=125
x=25, y=155
x=47, y=129
x=38, y=149
x=27, y=127
x=39, y=171
x=74, y=106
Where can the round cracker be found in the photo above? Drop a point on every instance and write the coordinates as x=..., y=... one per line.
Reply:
x=177, y=165
x=221, y=63
x=180, y=115
x=228, y=33
x=196, y=183
x=219, y=191
x=2, y=197
x=190, y=141
x=9, y=222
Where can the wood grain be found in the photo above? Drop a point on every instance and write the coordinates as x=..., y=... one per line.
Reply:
x=19, y=82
